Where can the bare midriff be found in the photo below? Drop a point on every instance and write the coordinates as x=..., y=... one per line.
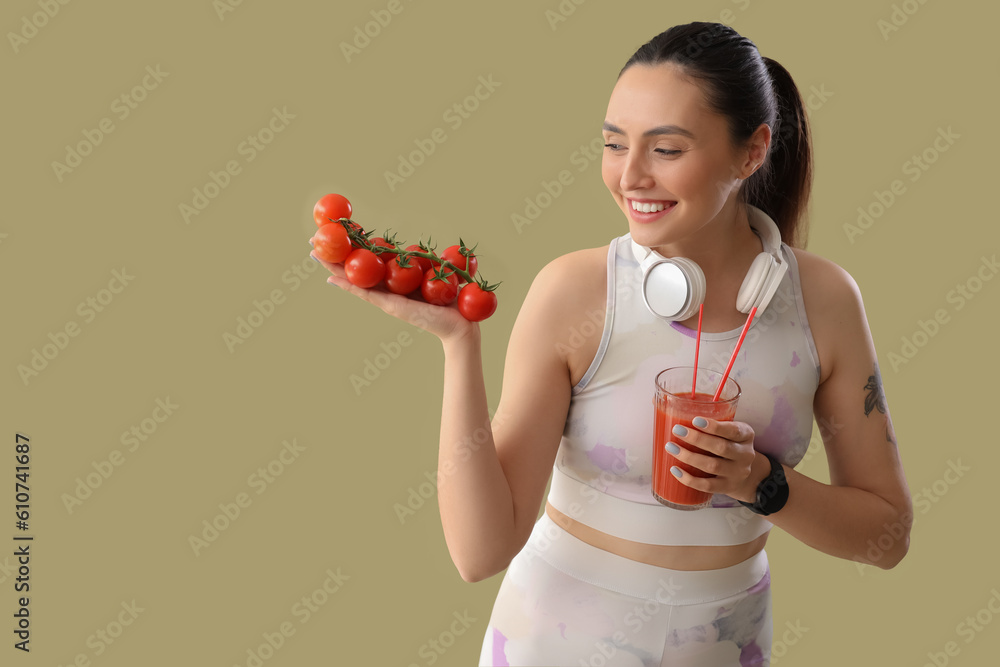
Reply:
x=672, y=557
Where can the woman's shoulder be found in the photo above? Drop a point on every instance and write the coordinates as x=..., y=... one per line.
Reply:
x=578, y=270
x=825, y=283
x=833, y=304
x=571, y=283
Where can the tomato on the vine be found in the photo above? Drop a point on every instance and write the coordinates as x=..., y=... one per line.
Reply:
x=364, y=268
x=402, y=279
x=475, y=303
x=454, y=255
x=331, y=243
x=440, y=292
x=331, y=206
x=423, y=262
x=378, y=240
x=380, y=262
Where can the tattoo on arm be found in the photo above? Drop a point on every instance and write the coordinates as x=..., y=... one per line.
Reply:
x=875, y=400
x=876, y=395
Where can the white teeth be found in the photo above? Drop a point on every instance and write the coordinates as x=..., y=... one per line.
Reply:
x=647, y=207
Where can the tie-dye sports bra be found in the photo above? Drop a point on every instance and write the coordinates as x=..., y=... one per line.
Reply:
x=602, y=471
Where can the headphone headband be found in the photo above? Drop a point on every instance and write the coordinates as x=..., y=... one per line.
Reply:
x=685, y=284
x=768, y=231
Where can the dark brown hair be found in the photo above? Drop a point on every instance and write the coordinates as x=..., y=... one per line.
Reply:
x=747, y=89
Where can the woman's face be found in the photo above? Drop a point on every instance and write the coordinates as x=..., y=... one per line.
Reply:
x=668, y=149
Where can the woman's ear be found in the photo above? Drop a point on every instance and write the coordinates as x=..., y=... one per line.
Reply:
x=757, y=147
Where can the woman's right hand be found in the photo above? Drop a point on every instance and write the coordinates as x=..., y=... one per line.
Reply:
x=445, y=322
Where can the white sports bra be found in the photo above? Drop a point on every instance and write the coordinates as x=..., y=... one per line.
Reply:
x=602, y=471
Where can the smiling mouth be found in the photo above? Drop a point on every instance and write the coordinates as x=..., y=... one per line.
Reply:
x=649, y=207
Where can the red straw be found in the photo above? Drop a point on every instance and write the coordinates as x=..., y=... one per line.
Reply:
x=697, y=344
x=725, y=376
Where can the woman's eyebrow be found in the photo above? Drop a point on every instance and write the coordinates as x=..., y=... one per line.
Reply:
x=660, y=129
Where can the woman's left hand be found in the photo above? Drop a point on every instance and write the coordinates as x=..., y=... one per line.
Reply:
x=732, y=465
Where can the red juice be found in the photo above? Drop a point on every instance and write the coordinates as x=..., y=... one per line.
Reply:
x=677, y=406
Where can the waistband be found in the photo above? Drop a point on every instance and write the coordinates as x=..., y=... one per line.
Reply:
x=588, y=563
x=653, y=523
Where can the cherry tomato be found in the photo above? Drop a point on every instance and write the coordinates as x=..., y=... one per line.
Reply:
x=331, y=206
x=437, y=291
x=475, y=303
x=400, y=279
x=386, y=257
x=331, y=243
x=424, y=263
x=364, y=268
x=454, y=255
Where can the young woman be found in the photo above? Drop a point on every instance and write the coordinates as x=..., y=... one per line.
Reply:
x=707, y=145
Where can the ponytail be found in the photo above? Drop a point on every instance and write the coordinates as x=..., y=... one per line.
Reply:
x=782, y=190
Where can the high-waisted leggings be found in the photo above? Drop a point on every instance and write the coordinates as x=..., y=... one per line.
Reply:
x=566, y=602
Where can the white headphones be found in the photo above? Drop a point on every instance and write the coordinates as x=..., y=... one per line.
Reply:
x=674, y=287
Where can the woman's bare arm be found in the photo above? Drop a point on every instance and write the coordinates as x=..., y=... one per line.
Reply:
x=867, y=501
x=493, y=475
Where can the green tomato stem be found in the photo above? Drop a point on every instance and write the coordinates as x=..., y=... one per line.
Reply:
x=365, y=243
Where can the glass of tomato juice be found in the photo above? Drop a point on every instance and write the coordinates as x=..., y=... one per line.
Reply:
x=674, y=404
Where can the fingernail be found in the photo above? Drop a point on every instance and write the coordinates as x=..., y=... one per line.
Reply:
x=310, y=243
x=673, y=449
x=676, y=471
x=680, y=430
x=313, y=257
x=700, y=422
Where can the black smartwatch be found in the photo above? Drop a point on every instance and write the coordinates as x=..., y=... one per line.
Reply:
x=772, y=492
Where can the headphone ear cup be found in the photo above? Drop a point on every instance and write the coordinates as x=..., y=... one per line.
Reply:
x=673, y=288
x=696, y=286
x=753, y=285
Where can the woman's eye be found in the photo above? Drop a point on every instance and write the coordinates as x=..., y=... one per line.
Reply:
x=662, y=151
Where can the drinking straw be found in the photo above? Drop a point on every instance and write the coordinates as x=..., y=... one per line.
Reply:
x=697, y=344
x=725, y=376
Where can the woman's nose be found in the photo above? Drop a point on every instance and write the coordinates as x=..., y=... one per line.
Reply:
x=635, y=175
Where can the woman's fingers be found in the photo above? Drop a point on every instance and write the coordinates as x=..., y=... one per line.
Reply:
x=699, y=483
x=734, y=431
x=729, y=461
x=710, y=443
x=338, y=277
x=711, y=464
x=439, y=320
x=335, y=269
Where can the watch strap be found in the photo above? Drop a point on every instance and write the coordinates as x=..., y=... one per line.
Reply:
x=772, y=492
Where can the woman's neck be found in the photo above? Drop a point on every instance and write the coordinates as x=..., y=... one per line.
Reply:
x=723, y=248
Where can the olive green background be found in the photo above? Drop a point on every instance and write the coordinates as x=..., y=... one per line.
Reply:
x=368, y=448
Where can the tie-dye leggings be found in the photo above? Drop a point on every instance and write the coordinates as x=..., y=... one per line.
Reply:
x=566, y=602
